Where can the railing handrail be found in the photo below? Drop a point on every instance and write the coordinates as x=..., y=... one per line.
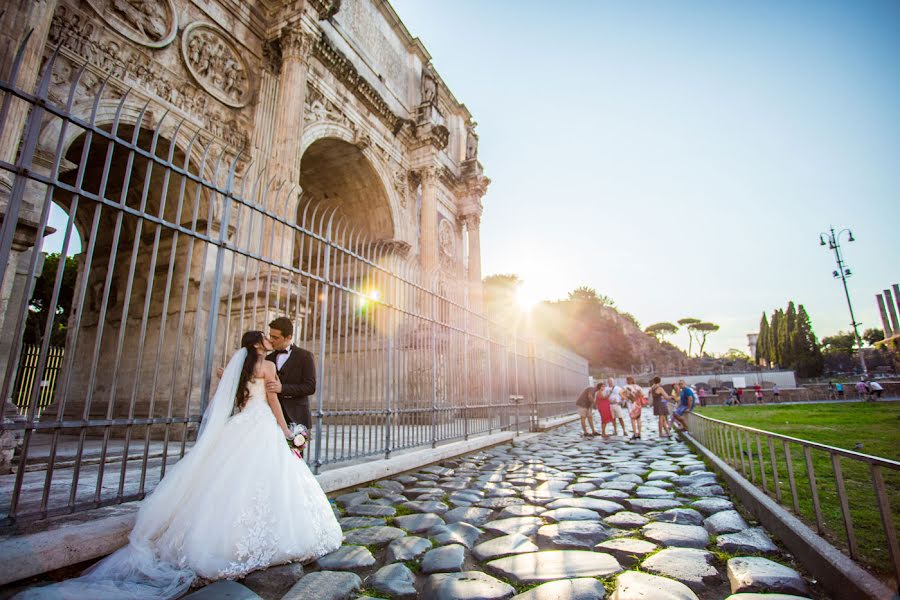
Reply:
x=868, y=458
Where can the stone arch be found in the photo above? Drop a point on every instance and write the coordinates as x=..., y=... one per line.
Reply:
x=340, y=136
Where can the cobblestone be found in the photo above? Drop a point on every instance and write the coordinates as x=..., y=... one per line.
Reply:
x=553, y=511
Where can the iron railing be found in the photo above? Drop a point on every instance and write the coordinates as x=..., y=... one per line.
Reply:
x=185, y=244
x=769, y=459
x=28, y=376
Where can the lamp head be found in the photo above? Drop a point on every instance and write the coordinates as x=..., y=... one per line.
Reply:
x=821, y=240
x=850, y=239
x=835, y=273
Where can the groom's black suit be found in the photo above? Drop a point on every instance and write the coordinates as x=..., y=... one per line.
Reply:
x=298, y=382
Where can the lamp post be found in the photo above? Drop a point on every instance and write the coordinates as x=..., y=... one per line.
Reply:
x=833, y=241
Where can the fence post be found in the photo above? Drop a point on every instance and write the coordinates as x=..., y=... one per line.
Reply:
x=323, y=331
x=532, y=364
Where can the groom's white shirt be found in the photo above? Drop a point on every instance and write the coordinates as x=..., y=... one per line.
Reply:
x=282, y=358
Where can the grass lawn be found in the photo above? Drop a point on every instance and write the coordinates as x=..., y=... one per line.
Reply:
x=874, y=425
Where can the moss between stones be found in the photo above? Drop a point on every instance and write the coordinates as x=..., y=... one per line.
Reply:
x=372, y=594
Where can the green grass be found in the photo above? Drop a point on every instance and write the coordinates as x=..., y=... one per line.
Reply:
x=874, y=425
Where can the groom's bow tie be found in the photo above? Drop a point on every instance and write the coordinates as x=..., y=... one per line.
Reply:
x=285, y=351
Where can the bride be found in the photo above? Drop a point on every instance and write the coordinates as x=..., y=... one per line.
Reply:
x=240, y=500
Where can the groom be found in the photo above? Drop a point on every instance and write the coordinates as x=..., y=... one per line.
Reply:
x=296, y=373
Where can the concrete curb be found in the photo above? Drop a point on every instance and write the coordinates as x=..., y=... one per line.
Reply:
x=837, y=573
x=33, y=554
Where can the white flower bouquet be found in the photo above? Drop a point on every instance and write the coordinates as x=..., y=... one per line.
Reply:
x=299, y=438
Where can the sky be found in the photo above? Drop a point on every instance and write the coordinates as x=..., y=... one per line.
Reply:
x=682, y=157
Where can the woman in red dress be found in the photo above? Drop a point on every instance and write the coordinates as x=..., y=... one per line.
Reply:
x=602, y=400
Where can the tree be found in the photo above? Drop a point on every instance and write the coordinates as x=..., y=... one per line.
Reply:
x=808, y=361
x=772, y=343
x=786, y=327
x=40, y=302
x=701, y=331
x=589, y=294
x=661, y=330
x=687, y=322
x=872, y=336
x=733, y=354
x=500, y=294
x=840, y=343
x=762, y=340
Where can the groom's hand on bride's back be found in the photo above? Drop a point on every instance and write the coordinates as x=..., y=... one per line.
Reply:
x=274, y=386
x=219, y=372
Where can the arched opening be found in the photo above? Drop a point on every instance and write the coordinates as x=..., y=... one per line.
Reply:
x=138, y=305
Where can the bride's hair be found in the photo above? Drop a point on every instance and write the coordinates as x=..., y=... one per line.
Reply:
x=249, y=341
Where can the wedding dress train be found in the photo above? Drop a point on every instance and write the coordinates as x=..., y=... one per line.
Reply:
x=240, y=500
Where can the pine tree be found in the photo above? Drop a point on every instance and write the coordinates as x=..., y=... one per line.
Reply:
x=785, y=335
x=810, y=362
x=762, y=340
x=773, y=347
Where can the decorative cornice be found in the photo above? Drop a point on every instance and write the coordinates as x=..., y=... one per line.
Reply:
x=347, y=74
x=326, y=8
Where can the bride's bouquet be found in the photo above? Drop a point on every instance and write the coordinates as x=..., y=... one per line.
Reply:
x=298, y=439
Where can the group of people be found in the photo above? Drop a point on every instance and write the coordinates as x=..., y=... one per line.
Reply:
x=867, y=390
x=615, y=403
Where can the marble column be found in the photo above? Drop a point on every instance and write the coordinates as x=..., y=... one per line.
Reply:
x=886, y=324
x=428, y=256
x=892, y=309
x=472, y=222
x=296, y=45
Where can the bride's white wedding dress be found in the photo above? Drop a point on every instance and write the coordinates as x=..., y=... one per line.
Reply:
x=240, y=500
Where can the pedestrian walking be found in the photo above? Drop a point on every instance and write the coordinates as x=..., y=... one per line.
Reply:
x=876, y=390
x=616, y=404
x=839, y=388
x=660, y=406
x=635, y=401
x=585, y=405
x=701, y=395
x=776, y=392
x=862, y=390
x=740, y=395
x=757, y=392
x=602, y=400
x=832, y=391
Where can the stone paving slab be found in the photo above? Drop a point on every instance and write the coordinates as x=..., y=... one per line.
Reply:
x=547, y=517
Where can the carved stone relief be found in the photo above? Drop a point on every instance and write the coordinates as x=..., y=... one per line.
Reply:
x=446, y=237
x=150, y=23
x=320, y=109
x=216, y=63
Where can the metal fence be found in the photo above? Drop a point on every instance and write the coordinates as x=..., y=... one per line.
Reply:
x=185, y=244
x=840, y=499
x=29, y=377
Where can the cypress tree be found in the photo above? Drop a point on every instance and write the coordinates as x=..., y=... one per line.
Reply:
x=787, y=328
x=773, y=345
x=762, y=340
x=809, y=362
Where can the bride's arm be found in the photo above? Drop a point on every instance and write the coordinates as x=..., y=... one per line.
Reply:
x=272, y=398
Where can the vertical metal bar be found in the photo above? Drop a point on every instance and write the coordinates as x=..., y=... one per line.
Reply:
x=845, y=506
x=775, y=482
x=740, y=437
x=790, y=471
x=762, y=464
x=750, y=458
x=811, y=474
x=323, y=333
x=887, y=521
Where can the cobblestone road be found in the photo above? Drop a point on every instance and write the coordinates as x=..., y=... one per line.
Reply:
x=553, y=516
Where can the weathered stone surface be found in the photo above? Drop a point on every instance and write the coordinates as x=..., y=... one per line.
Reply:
x=598, y=505
x=682, y=516
x=418, y=522
x=371, y=510
x=690, y=566
x=325, y=585
x=373, y=536
x=406, y=548
x=347, y=558
x=613, y=495
x=581, y=488
x=645, y=505
x=499, y=502
x=756, y=574
x=504, y=546
x=628, y=551
x=224, y=590
x=455, y=533
x=523, y=525
x=352, y=498
x=468, y=585
x=392, y=486
x=710, y=506
x=634, y=585
x=573, y=534
x=653, y=475
x=446, y=559
x=469, y=514
x=426, y=506
x=521, y=510
x=394, y=580
x=751, y=541
x=348, y=523
x=703, y=491
x=726, y=521
x=754, y=596
x=570, y=514
x=622, y=486
x=272, y=583
x=670, y=534
x=651, y=491
x=626, y=519
x=583, y=588
x=551, y=565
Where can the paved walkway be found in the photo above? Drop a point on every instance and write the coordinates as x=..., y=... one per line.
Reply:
x=553, y=515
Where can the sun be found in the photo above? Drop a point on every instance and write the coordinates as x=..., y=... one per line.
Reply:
x=526, y=297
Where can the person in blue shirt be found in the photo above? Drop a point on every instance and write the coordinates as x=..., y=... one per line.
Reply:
x=686, y=400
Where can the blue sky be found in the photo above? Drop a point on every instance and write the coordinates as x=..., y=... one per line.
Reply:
x=682, y=157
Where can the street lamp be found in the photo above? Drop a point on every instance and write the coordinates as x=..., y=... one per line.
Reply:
x=833, y=241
